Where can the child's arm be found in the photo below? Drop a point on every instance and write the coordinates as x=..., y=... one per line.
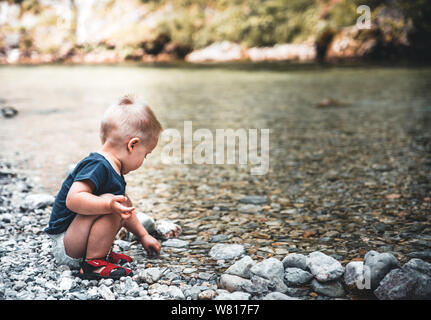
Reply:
x=81, y=200
x=134, y=226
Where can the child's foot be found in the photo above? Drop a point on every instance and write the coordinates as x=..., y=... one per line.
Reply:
x=95, y=269
x=118, y=258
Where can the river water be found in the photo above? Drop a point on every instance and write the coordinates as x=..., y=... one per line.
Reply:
x=344, y=179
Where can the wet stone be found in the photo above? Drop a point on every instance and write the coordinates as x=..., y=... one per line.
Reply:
x=226, y=251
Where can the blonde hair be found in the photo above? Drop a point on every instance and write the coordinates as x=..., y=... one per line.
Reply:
x=129, y=118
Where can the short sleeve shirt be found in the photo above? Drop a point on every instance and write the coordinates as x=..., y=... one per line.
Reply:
x=96, y=168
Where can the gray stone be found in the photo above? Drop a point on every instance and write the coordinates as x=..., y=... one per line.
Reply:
x=193, y=292
x=175, y=243
x=226, y=251
x=206, y=276
x=124, y=245
x=219, y=238
x=150, y=275
x=237, y=295
x=268, y=269
x=332, y=289
x=324, y=267
x=354, y=276
x=207, y=295
x=233, y=283
x=424, y=255
x=175, y=293
x=249, y=208
x=242, y=267
x=66, y=283
x=278, y=296
x=147, y=222
x=412, y=281
x=38, y=201
x=106, y=293
x=379, y=265
x=296, y=277
x=396, y=285
x=254, y=199
x=295, y=260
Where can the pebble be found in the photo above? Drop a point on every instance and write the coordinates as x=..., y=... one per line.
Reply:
x=237, y=295
x=175, y=243
x=278, y=296
x=254, y=200
x=226, y=251
x=29, y=271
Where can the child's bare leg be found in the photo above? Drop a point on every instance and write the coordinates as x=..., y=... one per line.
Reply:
x=76, y=237
x=102, y=235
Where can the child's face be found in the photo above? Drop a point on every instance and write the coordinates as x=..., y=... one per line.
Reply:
x=138, y=151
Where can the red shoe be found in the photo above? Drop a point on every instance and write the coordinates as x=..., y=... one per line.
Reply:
x=118, y=258
x=109, y=271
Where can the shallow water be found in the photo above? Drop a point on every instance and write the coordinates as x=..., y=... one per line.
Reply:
x=331, y=169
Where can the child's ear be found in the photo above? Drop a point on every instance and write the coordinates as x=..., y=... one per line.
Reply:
x=132, y=143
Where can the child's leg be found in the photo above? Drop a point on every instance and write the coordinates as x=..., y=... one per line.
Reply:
x=91, y=236
x=102, y=235
x=76, y=237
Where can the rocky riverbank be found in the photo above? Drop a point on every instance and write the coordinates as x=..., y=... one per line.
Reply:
x=189, y=269
x=92, y=32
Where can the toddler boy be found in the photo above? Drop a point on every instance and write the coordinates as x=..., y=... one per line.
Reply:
x=92, y=204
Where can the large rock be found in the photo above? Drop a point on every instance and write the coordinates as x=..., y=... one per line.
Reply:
x=324, y=267
x=272, y=271
x=353, y=42
x=355, y=278
x=332, y=289
x=379, y=265
x=295, y=260
x=242, y=267
x=296, y=277
x=233, y=283
x=396, y=285
x=217, y=52
x=388, y=32
x=288, y=51
x=412, y=281
x=226, y=251
x=268, y=269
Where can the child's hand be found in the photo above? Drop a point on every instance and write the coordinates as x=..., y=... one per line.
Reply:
x=117, y=208
x=151, y=245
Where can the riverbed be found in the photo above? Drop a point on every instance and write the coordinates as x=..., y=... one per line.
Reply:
x=343, y=178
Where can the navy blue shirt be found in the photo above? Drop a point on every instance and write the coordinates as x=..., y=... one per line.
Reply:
x=96, y=168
